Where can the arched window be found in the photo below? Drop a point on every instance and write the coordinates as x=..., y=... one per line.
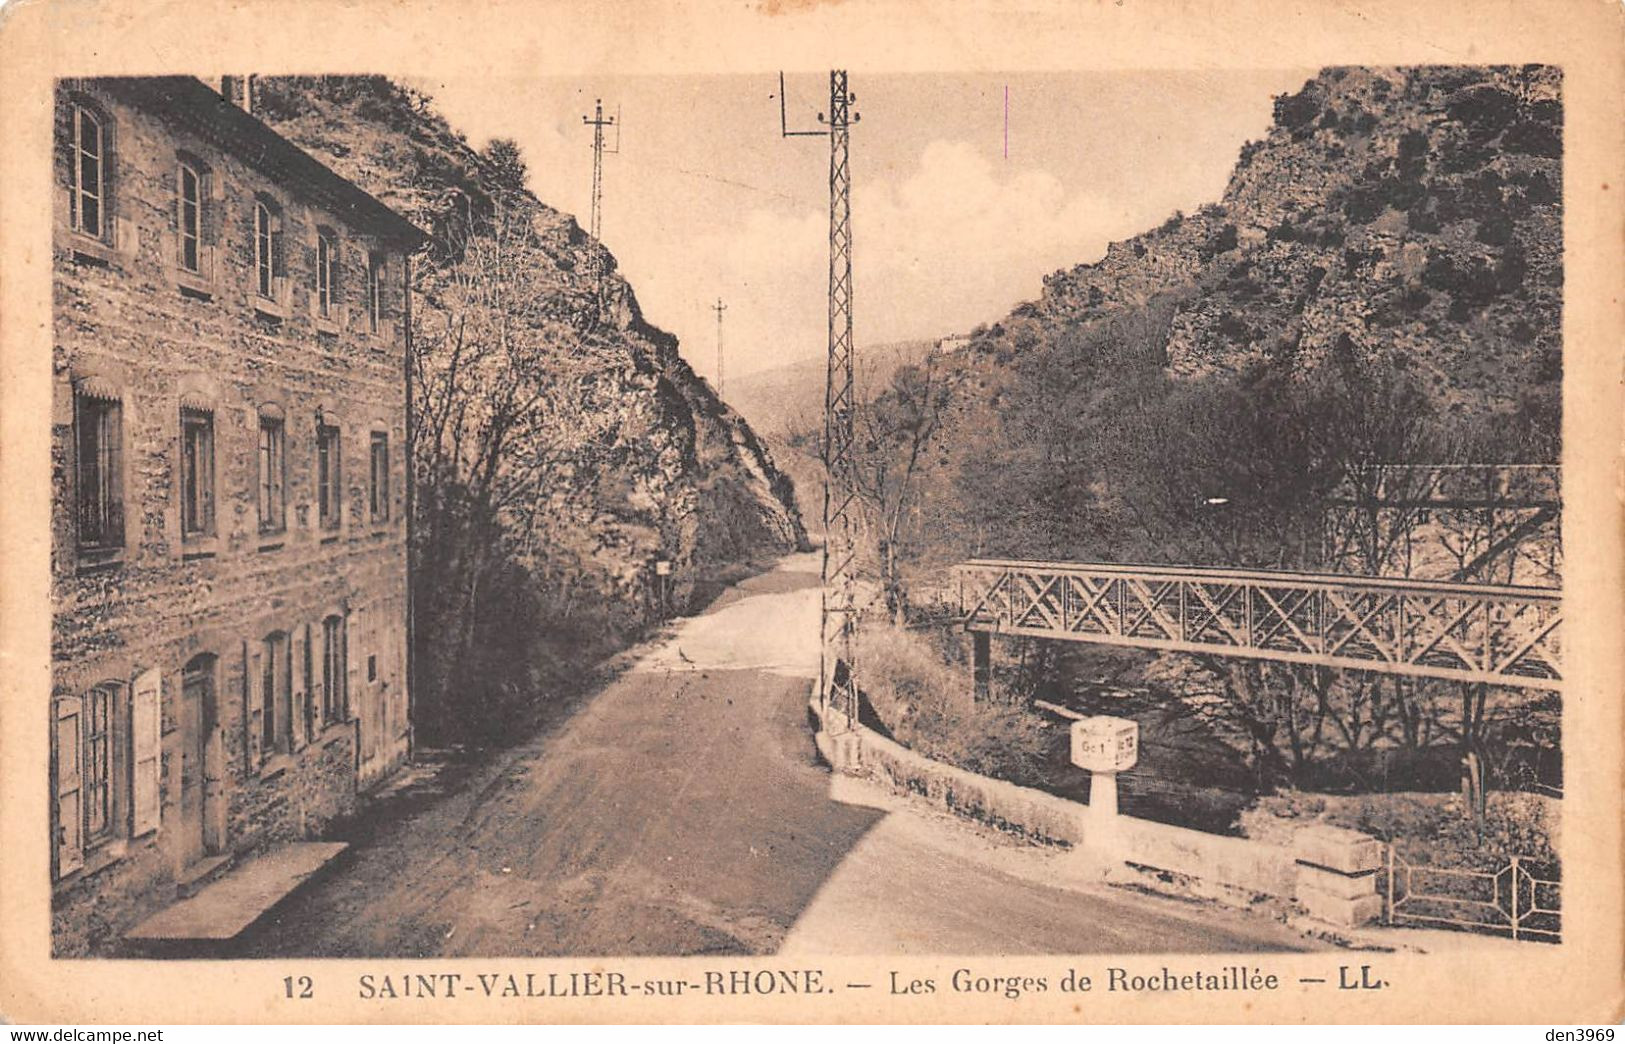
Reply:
x=199, y=674
x=191, y=205
x=272, y=498
x=197, y=473
x=89, y=206
x=269, y=267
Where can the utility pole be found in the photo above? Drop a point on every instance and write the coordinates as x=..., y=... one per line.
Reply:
x=837, y=685
x=598, y=121
x=719, y=308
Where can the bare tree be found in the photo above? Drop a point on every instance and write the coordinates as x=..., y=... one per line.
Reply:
x=894, y=431
x=506, y=368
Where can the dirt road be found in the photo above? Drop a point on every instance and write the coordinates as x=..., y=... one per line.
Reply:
x=681, y=810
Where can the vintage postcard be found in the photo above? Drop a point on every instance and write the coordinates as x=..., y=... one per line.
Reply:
x=865, y=511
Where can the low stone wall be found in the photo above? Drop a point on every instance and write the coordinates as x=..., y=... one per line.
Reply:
x=1330, y=872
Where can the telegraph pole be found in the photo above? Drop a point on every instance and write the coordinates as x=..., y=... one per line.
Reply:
x=837, y=685
x=719, y=308
x=598, y=121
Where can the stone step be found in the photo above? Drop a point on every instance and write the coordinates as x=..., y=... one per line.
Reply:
x=223, y=909
x=200, y=874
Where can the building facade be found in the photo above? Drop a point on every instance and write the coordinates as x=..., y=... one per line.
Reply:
x=229, y=559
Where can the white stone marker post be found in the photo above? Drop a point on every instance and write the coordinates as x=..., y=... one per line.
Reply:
x=1105, y=745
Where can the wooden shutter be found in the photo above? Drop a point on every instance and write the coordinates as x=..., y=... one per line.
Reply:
x=146, y=748
x=206, y=474
x=279, y=249
x=113, y=447
x=65, y=750
x=254, y=703
x=299, y=713
x=355, y=663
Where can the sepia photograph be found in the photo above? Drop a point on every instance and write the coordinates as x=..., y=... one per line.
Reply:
x=921, y=517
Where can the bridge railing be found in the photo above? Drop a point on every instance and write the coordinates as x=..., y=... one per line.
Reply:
x=1467, y=632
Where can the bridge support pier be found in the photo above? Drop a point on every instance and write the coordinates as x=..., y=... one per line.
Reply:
x=981, y=670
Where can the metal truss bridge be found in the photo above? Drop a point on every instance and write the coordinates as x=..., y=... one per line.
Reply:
x=1431, y=629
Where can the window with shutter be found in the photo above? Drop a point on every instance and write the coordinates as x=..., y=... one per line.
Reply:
x=146, y=749
x=69, y=818
x=299, y=718
x=333, y=680
x=252, y=710
x=96, y=738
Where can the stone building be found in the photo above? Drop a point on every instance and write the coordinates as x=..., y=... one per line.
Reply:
x=229, y=565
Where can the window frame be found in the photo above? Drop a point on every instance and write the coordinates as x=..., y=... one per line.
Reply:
x=81, y=113
x=276, y=695
x=375, y=290
x=378, y=477
x=335, y=679
x=264, y=251
x=329, y=476
x=103, y=417
x=327, y=243
x=189, y=231
x=98, y=775
x=271, y=467
x=197, y=485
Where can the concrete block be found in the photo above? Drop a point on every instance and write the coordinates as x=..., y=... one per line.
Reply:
x=1344, y=886
x=846, y=752
x=1346, y=851
x=1337, y=910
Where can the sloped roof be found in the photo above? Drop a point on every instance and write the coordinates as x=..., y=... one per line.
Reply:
x=193, y=104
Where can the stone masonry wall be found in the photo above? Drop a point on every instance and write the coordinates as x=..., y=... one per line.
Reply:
x=128, y=318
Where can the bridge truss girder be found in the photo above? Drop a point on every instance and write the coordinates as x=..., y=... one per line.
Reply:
x=1461, y=632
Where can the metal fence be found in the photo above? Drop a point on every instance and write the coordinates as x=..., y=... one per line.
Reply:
x=1515, y=901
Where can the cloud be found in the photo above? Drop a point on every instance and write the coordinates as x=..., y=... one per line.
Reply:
x=954, y=242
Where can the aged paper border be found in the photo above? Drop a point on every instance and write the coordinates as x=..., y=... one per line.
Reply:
x=1579, y=981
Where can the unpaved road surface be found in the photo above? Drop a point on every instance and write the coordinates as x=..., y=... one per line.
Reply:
x=681, y=810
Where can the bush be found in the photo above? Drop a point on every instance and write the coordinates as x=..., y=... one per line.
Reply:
x=922, y=701
x=1425, y=828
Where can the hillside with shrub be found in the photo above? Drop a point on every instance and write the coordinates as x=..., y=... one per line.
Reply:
x=1381, y=283
x=562, y=447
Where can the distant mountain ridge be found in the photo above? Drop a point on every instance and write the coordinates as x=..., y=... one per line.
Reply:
x=790, y=398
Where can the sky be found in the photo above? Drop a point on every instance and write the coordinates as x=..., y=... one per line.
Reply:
x=962, y=200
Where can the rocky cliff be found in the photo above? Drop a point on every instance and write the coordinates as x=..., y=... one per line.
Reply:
x=575, y=480
x=1411, y=216
x=701, y=489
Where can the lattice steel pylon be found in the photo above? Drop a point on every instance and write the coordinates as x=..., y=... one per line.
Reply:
x=719, y=308
x=838, y=619
x=598, y=121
